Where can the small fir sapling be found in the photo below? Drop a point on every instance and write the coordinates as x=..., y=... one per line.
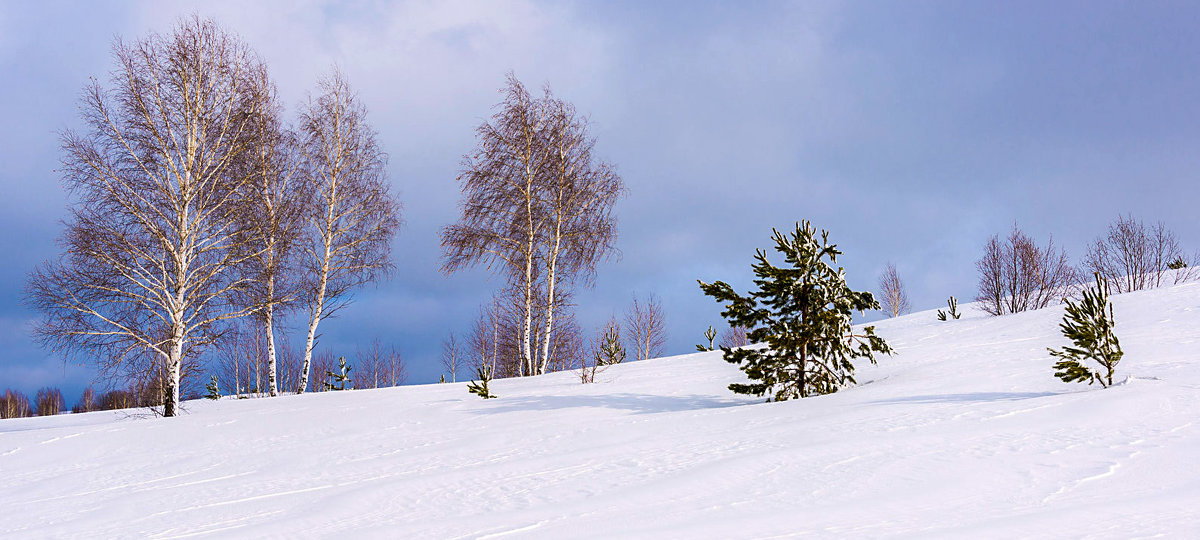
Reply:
x=953, y=313
x=213, y=388
x=711, y=336
x=480, y=387
x=1089, y=325
x=1177, y=264
x=337, y=381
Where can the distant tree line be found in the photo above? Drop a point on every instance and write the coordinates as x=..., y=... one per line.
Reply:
x=49, y=401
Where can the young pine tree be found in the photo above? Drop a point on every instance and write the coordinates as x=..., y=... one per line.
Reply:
x=802, y=312
x=1089, y=325
x=480, y=387
x=711, y=336
x=610, y=351
x=213, y=388
x=337, y=381
x=953, y=305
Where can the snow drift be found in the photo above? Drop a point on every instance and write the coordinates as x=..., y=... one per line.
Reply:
x=963, y=432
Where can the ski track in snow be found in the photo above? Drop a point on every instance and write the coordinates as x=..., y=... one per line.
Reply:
x=964, y=432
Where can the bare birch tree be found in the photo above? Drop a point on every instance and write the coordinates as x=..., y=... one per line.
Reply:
x=370, y=366
x=395, y=370
x=14, y=404
x=580, y=193
x=537, y=206
x=152, y=239
x=451, y=355
x=87, y=401
x=646, y=324
x=273, y=216
x=353, y=216
x=892, y=294
x=502, y=218
x=49, y=401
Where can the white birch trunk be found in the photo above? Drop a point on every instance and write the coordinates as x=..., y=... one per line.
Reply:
x=527, y=326
x=272, y=385
x=312, y=334
x=174, y=359
x=317, y=312
x=551, y=279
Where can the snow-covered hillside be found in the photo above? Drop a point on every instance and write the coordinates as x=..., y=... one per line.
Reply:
x=964, y=433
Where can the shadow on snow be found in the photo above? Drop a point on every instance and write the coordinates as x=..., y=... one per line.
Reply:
x=967, y=398
x=638, y=403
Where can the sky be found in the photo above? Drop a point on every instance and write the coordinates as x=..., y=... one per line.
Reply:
x=912, y=131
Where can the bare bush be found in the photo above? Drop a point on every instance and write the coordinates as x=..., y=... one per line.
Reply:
x=290, y=359
x=1132, y=257
x=149, y=392
x=496, y=338
x=1017, y=275
x=495, y=342
x=379, y=367
x=568, y=348
x=732, y=337
x=891, y=292
x=117, y=399
x=646, y=323
x=242, y=361
x=323, y=363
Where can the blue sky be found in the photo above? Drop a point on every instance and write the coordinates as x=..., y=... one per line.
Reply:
x=911, y=130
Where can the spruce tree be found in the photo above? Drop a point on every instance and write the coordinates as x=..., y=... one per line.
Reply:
x=1089, y=325
x=802, y=312
x=337, y=381
x=213, y=388
x=480, y=387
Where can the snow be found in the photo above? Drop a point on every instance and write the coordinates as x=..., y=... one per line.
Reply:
x=964, y=432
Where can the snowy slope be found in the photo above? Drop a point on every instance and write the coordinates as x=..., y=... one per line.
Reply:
x=963, y=433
